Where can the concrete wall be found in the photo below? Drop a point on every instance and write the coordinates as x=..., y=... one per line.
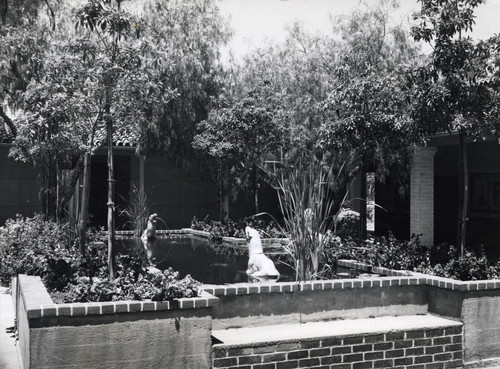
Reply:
x=55, y=334
x=259, y=309
x=479, y=310
x=18, y=187
x=179, y=194
x=125, y=334
x=481, y=316
x=159, y=339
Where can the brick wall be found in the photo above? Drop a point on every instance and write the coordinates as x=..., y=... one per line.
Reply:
x=425, y=349
x=118, y=334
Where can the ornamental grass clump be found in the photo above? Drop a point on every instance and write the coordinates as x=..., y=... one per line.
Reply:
x=307, y=205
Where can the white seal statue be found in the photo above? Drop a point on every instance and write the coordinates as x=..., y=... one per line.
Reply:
x=259, y=265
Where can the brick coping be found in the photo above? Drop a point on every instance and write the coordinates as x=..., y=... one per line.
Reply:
x=387, y=278
x=38, y=303
x=228, y=241
x=264, y=335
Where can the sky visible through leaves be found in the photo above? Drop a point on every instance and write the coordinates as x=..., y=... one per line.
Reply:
x=256, y=22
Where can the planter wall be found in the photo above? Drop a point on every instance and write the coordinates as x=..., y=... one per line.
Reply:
x=149, y=334
x=125, y=334
x=477, y=305
x=254, y=305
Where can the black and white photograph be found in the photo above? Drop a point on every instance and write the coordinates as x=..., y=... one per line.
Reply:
x=249, y=184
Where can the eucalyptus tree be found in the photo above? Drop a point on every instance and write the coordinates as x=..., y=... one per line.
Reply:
x=24, y=26
x=456, y=91
x=187, y=35
x=367, y=120
x=26, y=35
x=268, y=109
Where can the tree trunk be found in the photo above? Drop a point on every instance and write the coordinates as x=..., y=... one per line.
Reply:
x=255, y=188
x=84, y=210
x=9, y=122
x=464, y=180
x=362, y=208
x=111, y=203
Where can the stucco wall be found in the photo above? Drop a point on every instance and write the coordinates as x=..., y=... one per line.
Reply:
x=161, y=339
x=18, y=187
x=304, y=306
x=125, y=334
x=481, y=317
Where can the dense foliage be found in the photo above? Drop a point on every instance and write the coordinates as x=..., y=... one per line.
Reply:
x=457, y=88
x=441, y=260
x=234, y=228
x=36, y=246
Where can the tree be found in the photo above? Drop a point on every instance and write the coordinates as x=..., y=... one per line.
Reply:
x=240, y=135
x=130, y=90
x=281, y=83
x=27, y=39
x=366, y=109
x=453, y=90
x=187, y=37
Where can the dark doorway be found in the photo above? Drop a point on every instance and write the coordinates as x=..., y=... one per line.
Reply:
x=446, y=195
x=99, y=190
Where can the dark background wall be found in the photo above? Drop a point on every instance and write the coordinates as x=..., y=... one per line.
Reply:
x=18, y=187
x=484, y=204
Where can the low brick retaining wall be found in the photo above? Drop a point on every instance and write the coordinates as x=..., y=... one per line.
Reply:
x=125, y=334
x=429, y=347
x=53, y=335
x=247, y=305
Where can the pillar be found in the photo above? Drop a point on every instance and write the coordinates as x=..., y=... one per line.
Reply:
x=422, y=195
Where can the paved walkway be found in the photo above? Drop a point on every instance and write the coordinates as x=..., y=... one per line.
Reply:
x=8, y=344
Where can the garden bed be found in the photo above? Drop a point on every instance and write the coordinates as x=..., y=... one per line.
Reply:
x=48, y=331
x=120, y=334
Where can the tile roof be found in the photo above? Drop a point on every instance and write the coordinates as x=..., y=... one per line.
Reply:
x=122, y=136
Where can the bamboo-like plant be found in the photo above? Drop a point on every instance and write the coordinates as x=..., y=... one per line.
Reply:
x=307, y=205
x=137, y=210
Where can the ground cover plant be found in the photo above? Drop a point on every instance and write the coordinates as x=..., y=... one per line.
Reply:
x=37, y=246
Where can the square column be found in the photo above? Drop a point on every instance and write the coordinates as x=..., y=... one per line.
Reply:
x=422, y=194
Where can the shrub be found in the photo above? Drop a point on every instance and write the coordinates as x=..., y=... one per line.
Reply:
x=36, y=246
x=161, y=286
x=441, y=260
x=231, y=228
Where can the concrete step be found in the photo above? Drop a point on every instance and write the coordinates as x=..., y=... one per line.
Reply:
x=391, y=341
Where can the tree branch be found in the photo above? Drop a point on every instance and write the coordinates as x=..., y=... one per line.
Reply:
x=9, y=122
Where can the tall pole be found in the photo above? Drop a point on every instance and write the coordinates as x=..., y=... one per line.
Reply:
x=111, y=183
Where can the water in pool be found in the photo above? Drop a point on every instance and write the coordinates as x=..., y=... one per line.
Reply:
x=191, y=255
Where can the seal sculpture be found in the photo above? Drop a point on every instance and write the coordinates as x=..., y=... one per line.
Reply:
x=259, y=265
